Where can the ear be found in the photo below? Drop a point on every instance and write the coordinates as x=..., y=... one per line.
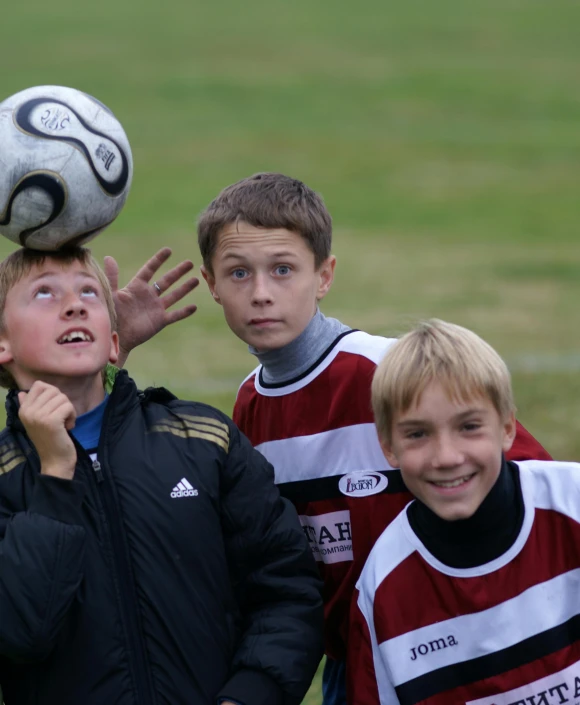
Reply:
x=114, y=352
x=509, y=432
x=210, y=279
x=326, y=273
x=5, y=351
x=389, y=453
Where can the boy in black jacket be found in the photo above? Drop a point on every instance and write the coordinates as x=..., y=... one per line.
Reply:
x=146, y=556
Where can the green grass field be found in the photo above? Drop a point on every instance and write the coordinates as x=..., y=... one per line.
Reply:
x=444, y=136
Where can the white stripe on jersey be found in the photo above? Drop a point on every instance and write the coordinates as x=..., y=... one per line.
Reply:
x=485, y=632
x=556, y=485
x=373, y=347
x=326, y=454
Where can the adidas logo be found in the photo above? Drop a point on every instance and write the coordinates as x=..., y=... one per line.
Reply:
x=184, y=488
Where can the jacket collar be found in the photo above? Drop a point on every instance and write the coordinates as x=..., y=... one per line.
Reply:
x=123, y=398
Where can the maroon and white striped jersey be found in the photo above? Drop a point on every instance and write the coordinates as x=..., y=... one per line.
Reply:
x=318, y=432
x=503, y=633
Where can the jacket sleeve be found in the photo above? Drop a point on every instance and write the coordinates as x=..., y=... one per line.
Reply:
x=41, y=556
x=276, y=584
x=526, y=447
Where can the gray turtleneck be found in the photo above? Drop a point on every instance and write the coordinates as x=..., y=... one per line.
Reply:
x=290, y=361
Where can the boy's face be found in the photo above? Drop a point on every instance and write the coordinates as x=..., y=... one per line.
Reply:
x=449, y=451
x=267, y=283
x=56, y=325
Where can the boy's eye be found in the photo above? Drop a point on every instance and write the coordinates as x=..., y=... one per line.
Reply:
x=89, y=291
x=42, y=293
x=471, y=426
x=282, y=270
x=239, y=273
x=415, y=434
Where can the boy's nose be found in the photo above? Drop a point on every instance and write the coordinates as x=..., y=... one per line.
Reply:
x=447, y=454
x=73, y=306
x=261, y=293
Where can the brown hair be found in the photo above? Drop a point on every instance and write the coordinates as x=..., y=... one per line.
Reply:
x=454, y=356
x=267, y=200
x=22, y=261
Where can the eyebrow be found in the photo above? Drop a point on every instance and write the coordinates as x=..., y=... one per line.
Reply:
x=54, y=273
x=458, y=417
x=275, y=255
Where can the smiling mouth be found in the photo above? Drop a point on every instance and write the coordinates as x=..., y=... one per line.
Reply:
x=75, y=336
x=451, y=484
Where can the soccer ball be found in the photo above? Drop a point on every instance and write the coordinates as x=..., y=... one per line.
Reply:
x=65, y=167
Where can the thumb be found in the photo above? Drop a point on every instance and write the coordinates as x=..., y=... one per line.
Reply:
x=111, y=269
x=21, y=397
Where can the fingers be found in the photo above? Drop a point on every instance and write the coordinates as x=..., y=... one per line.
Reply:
x=172, y=297
x=174, y=275
x=179, y=314
x=47, y=405
x=47, y=414
x=153, y=265
x=111, y=269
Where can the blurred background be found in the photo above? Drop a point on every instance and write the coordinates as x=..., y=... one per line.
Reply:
x=444, y=137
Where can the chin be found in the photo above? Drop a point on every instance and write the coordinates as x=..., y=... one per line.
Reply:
x=456, y=513
x=266, y=343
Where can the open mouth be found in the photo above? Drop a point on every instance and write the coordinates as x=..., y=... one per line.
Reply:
x=75, y=336
x=451, y=484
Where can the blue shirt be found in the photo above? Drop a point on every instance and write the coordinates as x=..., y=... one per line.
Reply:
x=87, y=428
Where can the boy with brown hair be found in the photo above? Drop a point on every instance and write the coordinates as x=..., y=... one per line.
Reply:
x=266, y=248
x=145, y=553
x=493, y=544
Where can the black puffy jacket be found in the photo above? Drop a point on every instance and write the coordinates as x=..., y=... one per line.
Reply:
x=168, y=572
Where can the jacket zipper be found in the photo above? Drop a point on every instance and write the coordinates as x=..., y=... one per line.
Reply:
x=98, y=471
x=137, y=655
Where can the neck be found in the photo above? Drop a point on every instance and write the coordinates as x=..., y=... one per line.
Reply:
x=286, y=363
x=481, y=538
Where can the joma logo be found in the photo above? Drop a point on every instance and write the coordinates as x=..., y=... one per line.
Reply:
x=431, y=646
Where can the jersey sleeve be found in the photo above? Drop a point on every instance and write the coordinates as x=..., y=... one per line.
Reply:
x=526, y=447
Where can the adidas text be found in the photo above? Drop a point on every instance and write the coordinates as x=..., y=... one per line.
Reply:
x=184, y=493
x=184, y=488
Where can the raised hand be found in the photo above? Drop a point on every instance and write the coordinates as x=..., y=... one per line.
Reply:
x=47, y=414
x=142, y=308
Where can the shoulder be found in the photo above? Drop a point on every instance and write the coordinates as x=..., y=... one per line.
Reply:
x=11, y=455
x=552, y=485
x=249, y=379
x=190, y=419
x=371, y=347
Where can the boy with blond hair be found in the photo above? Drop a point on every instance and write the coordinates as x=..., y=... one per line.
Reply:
x=145, y=553
x=471, y=594
x=266, y=242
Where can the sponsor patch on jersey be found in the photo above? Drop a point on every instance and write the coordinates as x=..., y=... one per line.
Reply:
x=329, y=536
x=362, y=483
x=561, y=687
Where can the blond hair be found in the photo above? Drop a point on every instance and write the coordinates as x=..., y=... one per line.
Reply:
x=435, y=351
x=22, y=261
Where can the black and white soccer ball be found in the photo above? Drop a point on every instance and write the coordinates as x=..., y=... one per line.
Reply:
x=65, y=167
